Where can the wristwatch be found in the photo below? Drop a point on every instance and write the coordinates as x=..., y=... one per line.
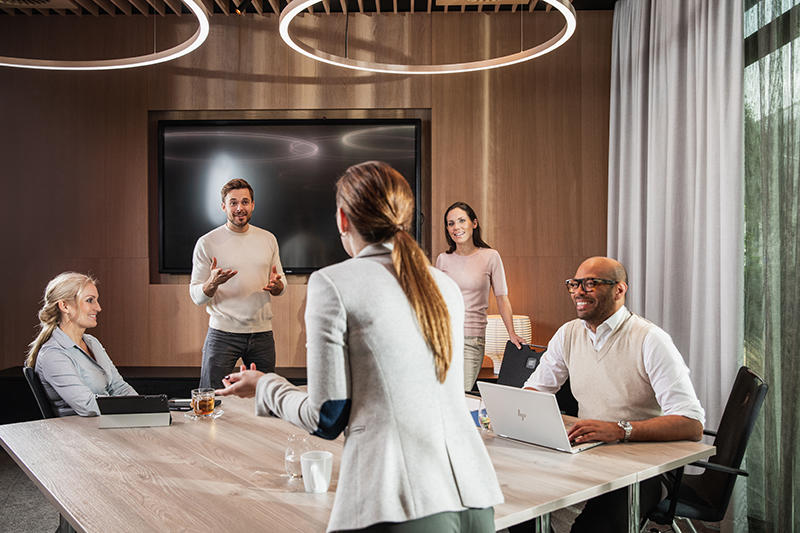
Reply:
x=627, y=427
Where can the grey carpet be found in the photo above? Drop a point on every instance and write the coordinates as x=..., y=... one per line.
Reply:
x=23, y=509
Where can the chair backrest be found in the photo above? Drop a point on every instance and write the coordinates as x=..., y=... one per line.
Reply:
x=38, y=392
x=519, y=364
x=735, y=427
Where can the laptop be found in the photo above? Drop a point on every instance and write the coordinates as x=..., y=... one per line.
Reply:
x=528, y=416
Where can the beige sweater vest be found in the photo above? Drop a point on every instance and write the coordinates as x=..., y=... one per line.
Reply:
x=610, y=384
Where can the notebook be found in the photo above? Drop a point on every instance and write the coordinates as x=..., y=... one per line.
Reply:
x=528, y=416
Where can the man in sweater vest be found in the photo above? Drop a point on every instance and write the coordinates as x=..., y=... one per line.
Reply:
x=236, y=270
x=630, y=381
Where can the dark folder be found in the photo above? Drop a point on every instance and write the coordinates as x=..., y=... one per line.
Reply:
x=519, y=364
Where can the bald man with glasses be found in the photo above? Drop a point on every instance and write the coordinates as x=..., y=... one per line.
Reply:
x=630, y=381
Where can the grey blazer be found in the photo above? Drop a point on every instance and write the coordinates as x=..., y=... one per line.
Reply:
x=411, y=447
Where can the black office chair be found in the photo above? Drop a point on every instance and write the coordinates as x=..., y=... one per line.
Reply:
x=38, y=392
x=705, y=496
x=47, y=412
x=517, y=367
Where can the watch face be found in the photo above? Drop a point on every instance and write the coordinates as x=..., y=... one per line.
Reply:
x=627, y=427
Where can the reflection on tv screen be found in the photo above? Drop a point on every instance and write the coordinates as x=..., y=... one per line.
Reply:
x=292, y=166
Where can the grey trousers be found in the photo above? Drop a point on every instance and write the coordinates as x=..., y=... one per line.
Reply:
x=474, y=347
x=222, y=349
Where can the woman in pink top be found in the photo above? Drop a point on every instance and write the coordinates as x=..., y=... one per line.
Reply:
x=476, y=268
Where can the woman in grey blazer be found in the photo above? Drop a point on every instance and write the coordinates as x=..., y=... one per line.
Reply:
x=385, y=366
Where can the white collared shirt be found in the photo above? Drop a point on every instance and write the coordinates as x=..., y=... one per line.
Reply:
x=663, y=363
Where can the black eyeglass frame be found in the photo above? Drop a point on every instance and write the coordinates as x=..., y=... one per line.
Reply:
x=581, y=282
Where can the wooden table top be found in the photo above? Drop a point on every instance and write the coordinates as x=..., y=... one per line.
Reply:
x=537, y=480
x=228, y=474
x=212, y=475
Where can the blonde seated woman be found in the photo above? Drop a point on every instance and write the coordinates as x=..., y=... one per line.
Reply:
x=72, y=365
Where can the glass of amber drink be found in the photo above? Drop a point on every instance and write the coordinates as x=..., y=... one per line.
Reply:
x=203, y=402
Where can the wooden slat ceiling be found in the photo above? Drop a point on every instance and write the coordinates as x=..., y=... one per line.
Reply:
x=259, y=7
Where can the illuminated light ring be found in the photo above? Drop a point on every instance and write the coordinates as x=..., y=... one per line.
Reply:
x=298, y=6
x=175, y=52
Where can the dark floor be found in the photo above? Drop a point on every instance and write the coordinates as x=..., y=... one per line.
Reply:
x=23, y=509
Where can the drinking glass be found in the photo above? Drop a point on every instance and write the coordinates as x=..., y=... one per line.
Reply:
x=203, y=405
x=317, y=466
x=203, y=402
x=483, y=417
x=296, y=446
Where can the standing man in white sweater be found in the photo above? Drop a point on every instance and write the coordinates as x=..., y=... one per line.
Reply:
x=236, y=270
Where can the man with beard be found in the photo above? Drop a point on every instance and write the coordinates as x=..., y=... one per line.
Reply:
x=236, y=270
x=630, y=381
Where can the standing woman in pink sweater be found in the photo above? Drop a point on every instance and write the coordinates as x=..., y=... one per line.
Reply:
x=475, y=267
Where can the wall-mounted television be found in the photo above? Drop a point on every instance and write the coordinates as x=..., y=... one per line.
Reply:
x=292, y=166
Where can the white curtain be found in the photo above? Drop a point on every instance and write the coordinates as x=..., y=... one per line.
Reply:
x=675, y=183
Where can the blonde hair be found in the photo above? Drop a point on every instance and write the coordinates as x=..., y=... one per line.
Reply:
x=378, y=202
x=64, y=287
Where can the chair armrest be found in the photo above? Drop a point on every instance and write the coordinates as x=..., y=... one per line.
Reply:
x=720, y=468
x=709, y=432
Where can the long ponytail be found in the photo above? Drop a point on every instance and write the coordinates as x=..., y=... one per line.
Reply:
x=64, y=287
x=378, y=202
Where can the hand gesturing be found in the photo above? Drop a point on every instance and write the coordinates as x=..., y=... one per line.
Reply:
x=220, y=275
x=242, y=383
x=217, y=277
x=275, y=285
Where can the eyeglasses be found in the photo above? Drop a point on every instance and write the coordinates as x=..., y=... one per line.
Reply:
x=588, y=284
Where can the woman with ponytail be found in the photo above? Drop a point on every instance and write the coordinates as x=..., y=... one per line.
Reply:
x=383, y=334
x=72, y=365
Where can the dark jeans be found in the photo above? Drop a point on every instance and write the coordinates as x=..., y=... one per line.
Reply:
x=222, y=349
x=466, y=521
x=608, y=513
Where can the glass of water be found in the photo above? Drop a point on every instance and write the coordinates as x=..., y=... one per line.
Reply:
x=483, y=417
x=296, y=446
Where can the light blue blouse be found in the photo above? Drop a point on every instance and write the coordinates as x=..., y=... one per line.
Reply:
x=71, y=378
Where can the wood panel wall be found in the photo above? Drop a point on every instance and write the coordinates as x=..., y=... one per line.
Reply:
x=526, y=146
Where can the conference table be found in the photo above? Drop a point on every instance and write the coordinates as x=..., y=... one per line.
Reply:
x=227, y=474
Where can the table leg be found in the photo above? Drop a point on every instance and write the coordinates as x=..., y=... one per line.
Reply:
x=633, y=508
x=541, y=524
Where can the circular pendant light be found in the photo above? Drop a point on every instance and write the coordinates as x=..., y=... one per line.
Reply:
x=296, y=7
x=175, y=52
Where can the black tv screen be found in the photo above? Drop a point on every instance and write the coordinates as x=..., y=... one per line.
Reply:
x=292, y=166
